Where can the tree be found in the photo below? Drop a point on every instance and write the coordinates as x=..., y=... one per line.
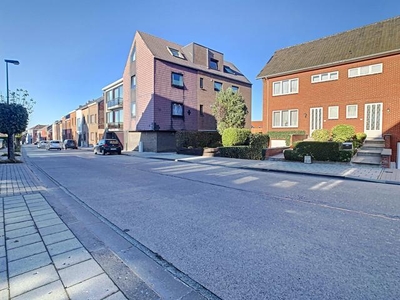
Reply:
x=229, y=110
x=19, y=97
x=13, y=120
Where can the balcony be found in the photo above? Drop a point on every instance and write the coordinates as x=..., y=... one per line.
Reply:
x=114, y=103
x=115, y=125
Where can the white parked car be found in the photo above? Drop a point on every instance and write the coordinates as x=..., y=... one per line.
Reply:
x=53, y=144
x=42, y=144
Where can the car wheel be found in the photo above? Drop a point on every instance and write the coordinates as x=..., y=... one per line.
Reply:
x=103, y=152
x=119, y=152
x=94, y=151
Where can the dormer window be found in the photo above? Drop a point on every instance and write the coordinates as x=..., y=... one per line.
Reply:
x=213, y=64
x=175, y=53
x=229, y=70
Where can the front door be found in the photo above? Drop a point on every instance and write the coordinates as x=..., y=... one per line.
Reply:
x=315, y=119
x=373, y=120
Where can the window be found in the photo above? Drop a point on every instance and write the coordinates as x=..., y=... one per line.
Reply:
x=235, y=89
x=213, y=64
x=133, y=53
x=351, y=111
x=285, y=87
x=177, y=80
x=201, y=82
x=175, y=52
x=229, y=70
x=133, y=82
x=285, y=118
x=333, y=112
x=365, y=70
x=177, y=109
x=110, y=95
x=217, y=86
x=325, y=77
x=133, y=109
x=201, y=110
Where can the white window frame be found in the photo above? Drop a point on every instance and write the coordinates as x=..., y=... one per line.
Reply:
x=289, y=111
x=348, y=116
x=369, y=70
x=330, y=116
x=172, y=51
x=318, y=77
x=280, y=89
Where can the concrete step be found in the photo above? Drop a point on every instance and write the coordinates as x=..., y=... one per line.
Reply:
x=380, y=142
x=372, y=146
x=374, y=152
x=366, y=160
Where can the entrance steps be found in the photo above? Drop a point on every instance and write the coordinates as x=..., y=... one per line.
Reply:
x=370, y=152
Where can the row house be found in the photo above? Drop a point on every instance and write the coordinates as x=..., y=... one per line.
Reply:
x=348, y=78
x=166, y=88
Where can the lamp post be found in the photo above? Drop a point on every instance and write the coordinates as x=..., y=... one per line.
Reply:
x=10, y=138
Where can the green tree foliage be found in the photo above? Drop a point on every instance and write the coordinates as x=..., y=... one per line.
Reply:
x=235, y=136
x=229, y=110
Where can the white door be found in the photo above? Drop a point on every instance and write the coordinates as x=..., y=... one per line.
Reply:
x=373, y=120
x=315, y=119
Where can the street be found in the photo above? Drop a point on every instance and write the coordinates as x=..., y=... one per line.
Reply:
x=244, y=234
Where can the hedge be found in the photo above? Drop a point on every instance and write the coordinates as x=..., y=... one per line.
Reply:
x=235, y=136
x=343, y=133
x=197, y=139
x=320, y=151
x=321, y=135
x=255, y=150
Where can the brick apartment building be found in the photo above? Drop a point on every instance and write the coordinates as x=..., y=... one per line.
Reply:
x=348, y=78
x=166, y=88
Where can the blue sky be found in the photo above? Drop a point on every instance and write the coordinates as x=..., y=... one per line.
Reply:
x=69, y=50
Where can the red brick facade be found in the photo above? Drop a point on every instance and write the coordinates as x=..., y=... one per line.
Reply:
x=381, y=88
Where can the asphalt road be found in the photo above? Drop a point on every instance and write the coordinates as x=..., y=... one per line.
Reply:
x=246, y=234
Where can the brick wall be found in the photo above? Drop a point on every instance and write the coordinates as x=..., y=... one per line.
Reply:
x=378, y=88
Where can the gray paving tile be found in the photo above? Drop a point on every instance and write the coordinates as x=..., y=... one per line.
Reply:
x=3, y=281
x=47, y=223
x=17, y=213
x=52, y=229
x=64, y=246
x=31, y=280
x=3, y=264
x=22, y=241
x=39, y=207
x=17, y=219
x=29, y=263
x=116, y=296
x=2, y=240
x=21, y=232
x=54, y=290
x=4, y=294
x=80, y=272
x=22, y=208
x=25, y=251
x=33, y=196
x=70, y=258
x=58, y=237
x=14, y=205
x=94, y=288
x=45, y=217
x=42, y=212
x=2, y=251
x=19, y=225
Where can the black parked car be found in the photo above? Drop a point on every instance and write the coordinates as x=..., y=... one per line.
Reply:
x=70, y=144
x=107, y=145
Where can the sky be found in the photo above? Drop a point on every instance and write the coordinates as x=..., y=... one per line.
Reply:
x=69, y=50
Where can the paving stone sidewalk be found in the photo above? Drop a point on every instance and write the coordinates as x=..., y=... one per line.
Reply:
x=40, y=258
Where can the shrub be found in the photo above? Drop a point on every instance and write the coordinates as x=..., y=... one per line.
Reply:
x=284, y=135
x=197, y=139
x=255, y=150
x=235, y=136
x=322, y=151
x=321, y=135
x=359, y=139
x=343, y=133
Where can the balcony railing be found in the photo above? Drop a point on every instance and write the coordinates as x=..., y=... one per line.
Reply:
x=115, y=125
x=114, y=103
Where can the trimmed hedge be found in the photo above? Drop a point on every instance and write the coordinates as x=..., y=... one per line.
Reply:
x=255, y=150
x=321, y=135
x=359, y=139
x=197, y=139
x=235, y=137
x=343, y=133
x=320, y=151
x=284, y=135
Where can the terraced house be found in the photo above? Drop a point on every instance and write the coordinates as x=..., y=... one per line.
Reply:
x=348, y=78
x=166, y=88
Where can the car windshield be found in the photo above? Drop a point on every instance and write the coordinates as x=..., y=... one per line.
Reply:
x=113, y=142
x=55, y=142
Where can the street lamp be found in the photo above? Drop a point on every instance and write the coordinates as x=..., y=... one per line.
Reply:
x=10, y=138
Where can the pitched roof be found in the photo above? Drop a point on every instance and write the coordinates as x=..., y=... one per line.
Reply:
x=370, y=40
x=158, y=47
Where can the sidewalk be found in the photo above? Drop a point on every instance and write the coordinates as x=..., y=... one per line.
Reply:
x=339, y=170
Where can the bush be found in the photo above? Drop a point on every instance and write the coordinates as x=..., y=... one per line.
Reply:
x=255, y=150
x=284, y=135
x=321, y=151
x=235, y=137
x=321, y=135
x=359, y=139
x=197, y=139
x=343, y=133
